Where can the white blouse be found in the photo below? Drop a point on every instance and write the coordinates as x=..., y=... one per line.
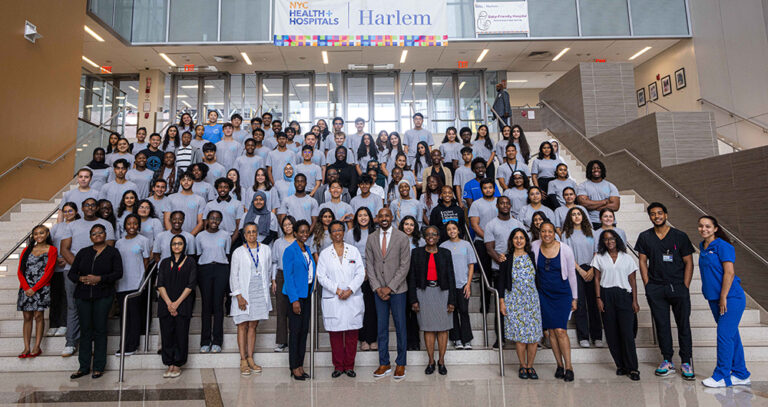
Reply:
x=615, y=274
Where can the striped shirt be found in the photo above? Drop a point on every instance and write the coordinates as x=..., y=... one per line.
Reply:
x=183, y=157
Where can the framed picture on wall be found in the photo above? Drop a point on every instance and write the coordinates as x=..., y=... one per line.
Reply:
x=653, y=91
x=641, y=97
x=666, y=85
x=680, y=78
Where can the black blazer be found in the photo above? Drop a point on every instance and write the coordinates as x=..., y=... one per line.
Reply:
x=108, y=265
x=504, y=280
x=417, y=276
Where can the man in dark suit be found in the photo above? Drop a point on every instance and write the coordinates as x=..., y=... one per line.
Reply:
x=501, y=104
x=387, y=260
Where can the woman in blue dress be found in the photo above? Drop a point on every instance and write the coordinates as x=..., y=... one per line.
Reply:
x=558, y=294
x=722, y=288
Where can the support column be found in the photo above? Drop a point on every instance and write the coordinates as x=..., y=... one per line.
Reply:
x=152, y=102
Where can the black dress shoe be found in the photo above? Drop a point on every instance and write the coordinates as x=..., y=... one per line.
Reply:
x=305, y=375
x=430, y=369
x=300, y=378
x=634, y=375
x=336, y=373
x=568, y=375
x=532, y=374
x=97, y=375
x=350, y=373
x=442, y=370
x=522, y=373
x=621, y=372
x=78, y=374
x=559, y=372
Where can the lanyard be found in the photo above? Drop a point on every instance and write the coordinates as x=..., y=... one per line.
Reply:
x=254, y=259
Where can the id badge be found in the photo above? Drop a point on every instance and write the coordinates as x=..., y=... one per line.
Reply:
x=667, y=257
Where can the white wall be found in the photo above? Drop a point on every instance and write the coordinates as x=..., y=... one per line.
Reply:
x=680, y=55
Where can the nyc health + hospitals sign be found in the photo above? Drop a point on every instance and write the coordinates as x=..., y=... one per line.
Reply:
x=360, y=23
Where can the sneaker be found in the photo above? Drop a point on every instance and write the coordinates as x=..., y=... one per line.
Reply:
x=61, y=331
x=129, y=353
x=599, y=343
x=205, y=349
x=68, y=351
x=458, y=345
x=468, y=346
x=215, y=349
x=382, y=371
x=688, y=371
x=711, y=382
x=665, y=368
x=584, y=343
x=740, y=382
x=399, y=373
x=280, y=347
x=51, y=332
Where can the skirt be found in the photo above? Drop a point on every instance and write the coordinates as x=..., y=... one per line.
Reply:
x=433, y=312
x=257, y=308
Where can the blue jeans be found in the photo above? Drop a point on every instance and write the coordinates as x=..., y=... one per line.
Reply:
x=730, y=352
x=397, y=304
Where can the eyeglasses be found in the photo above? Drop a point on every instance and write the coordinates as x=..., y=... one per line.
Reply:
x=177, y=244
x=90, y=205
x=98, y=232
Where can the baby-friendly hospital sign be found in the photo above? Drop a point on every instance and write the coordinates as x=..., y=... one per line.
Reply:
x=360, y=23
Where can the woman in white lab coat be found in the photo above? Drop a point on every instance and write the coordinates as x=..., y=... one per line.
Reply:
x=340, y=272
x=250, y=280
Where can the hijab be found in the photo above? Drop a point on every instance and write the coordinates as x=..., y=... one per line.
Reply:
x=262, y=213
x=289, y=181
x=97, y=165
x=381, y=179
x=176, y=264
x=340, y=164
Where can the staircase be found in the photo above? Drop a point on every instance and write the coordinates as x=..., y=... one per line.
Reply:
x=631, y=218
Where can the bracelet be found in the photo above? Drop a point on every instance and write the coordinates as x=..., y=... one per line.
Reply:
x=597, y=298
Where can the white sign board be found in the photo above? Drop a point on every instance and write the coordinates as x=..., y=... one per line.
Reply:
x=510, y=17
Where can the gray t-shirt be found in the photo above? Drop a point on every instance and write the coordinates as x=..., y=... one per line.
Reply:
x=480, y=150
x=462, y=176
x=227, y=152
x=142, y=179
x=412, y=137
x=263, y=151
x=313, y=172
x=484, y=210
x=556, y=186
x=299, y=208
x=597, y=191
x=192, y=206
x=506, y=170
x=450, y=152
x=402, y=208
x=435, y=200
x=213, y=247
x=498, y=231
x=77, y=196
x=247, y=167
x=81, y=232
x=278, y=248
x=133, y=252
x=518, y=198
x=339, y=209
x=372, y=202
x=231, y=212
x=150, y=228
x=59, y=232
x=349, y=237
x=545, y=168
x=582, y=246
x=162, y=243
x=561, y=212
x=527, y=211
x=273, y=198
x=278, y=159
x=99, y=178
x=158, y=206
x=204, y=190
x=462, y=256
x=215, y=171
x=113, y=192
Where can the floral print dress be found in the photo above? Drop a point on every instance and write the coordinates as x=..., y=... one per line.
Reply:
x=523, y=321
x=41, y=300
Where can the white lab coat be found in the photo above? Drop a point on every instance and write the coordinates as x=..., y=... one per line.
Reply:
x=349, y=273
x=240, y=276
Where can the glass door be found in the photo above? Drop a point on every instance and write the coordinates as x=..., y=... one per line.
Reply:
x=384, y=104
x=300, y=96
x=357, y=100
x=470, y=101
x=443, y=105
x=199, y=94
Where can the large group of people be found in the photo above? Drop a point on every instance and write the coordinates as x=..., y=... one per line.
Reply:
x=378, y=225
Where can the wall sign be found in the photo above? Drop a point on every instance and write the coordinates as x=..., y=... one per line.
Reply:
x=360, y=23
x=509, y=17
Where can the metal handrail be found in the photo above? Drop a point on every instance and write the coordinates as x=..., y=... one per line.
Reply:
x=495, y=292
x=640, y=163
x=124, y=322
x=655, y=103
x=313, y=326
x=57, y=159
x=734, y=114
x=26, y=237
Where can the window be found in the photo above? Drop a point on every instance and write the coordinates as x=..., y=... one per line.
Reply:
x=194, y=21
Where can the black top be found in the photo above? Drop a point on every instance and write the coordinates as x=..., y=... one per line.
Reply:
x=676, y=244
x=441, y=214
x=417, y=276
x=175, y=281
x=108, y=264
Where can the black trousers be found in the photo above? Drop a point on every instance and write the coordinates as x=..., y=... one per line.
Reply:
x=619, y=320
x=661, y=298
x=174, y=335
x=58, y=309
x=544, y=186
x=368, y=333
x=282, y=309
x=93, y=332
x=494, y=306
x=213, y=280
x=587, y=316
x=462, y=329
x=135, y=318
x=412, y=328
x=298, y=326
x=490, y=171
x=485, y=260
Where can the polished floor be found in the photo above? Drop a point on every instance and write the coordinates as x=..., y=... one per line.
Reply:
x=474, y=385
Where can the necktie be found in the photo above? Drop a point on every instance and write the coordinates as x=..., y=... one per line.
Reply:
x=384, y=243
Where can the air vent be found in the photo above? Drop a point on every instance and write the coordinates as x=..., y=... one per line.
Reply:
x=540, y=55
x=224, y=58
x=362, y=67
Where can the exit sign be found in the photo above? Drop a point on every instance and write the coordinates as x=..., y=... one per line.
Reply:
x=105, y=69
x=463, y=64
x=189, y=68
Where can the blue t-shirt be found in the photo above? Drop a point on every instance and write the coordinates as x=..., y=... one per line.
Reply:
x=711, y=267
x=212, y=133
x=473, y=191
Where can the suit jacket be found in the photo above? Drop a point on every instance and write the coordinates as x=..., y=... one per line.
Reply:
x=428, y=171
x=296, y=272
x=501, y=104
x=390, y=270
x=417, y=278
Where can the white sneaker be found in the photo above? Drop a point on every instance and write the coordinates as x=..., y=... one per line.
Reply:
x=126, y=353
x=61, y=331
x=205, y=349
x=468, y=346
x=51, y=332
x=584, y=343
x=458, y=345
x=68, y=351
x=740, y=382
x=214, y=349
x=710, y=382
x=280, y=347
x=599, y=343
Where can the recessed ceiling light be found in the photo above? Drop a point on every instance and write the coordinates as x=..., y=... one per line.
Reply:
x=461, y=85
x=245, y=58
x=641, y=52
x=482, y=55
x=189, y=87
x=168, y=60
x=420, y=84
x=133, y=88
x=383, y=93
x=325, y=57
x=403, y=56
x=330, y=86
x=561, y=54
x=93, y=64
x=263, y=86
x=273, y=94
x=93, y=34
x=518, y=81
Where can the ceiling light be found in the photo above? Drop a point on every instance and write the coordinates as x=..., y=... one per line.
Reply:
x=330, y=87
x=383, y=93
x=119, y=97
x=641, y=52
x=93, y=64
x=482, y=55
x=325, y=57
x=273, y=94
x=93, y=34
x=186, y=104
x=561, y=54
x=518, y=81
x=420, y=84
x=461, y=85
x=263, y=86
x=181, y=96
x=133, y=89
x=96, y=89
x=245, y=57
x=189, y=87
x=131, y=105
x=168, y=60
x=211, y=103
x=301, y=85
x=403, y=56
x=322, y=85
x=208, y=86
